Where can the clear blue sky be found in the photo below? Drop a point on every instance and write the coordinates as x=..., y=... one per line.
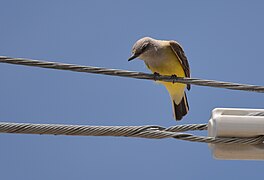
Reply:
x=223, y=41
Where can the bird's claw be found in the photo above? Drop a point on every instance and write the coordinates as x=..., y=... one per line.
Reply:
x=173, y=77
x=156, y=75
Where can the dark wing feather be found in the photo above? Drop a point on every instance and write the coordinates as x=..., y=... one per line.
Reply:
x=178, y=50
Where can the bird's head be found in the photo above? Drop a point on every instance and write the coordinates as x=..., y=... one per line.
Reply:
x=142, y=47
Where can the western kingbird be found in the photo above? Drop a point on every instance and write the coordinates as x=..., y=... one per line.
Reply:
x=166, y=58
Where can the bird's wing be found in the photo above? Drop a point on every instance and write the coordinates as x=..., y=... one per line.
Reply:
x=178, y=50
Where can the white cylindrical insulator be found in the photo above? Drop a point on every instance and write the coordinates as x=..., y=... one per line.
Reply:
x=231, y=122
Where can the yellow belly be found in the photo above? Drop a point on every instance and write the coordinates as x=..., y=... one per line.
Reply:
x=170, y=65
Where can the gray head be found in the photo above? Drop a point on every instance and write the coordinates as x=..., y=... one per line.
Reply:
x=143, y=46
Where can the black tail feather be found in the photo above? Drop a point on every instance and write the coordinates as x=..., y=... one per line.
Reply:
x=181, y=109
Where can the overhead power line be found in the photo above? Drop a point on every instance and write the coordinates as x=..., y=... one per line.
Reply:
x=151, y=132
x=227, y=125
x=130, y=74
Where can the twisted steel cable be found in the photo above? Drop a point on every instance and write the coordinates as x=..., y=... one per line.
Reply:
x=152, y=132
x=130, y=74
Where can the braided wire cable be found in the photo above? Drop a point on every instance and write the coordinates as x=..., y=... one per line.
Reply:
x=131, y=74
x=151, y=132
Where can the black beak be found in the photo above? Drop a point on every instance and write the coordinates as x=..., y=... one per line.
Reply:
x=133, y=57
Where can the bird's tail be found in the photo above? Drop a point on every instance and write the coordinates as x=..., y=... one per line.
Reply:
x=180, y=109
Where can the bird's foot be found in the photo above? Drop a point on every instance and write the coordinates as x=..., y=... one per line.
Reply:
x=173, y=77
x=156, y=75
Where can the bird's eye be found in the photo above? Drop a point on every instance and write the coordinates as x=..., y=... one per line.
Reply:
x=144, y=47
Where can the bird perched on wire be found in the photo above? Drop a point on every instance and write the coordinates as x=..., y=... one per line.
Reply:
x=166, y=58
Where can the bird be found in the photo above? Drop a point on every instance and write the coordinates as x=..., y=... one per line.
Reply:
x=166, y=57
